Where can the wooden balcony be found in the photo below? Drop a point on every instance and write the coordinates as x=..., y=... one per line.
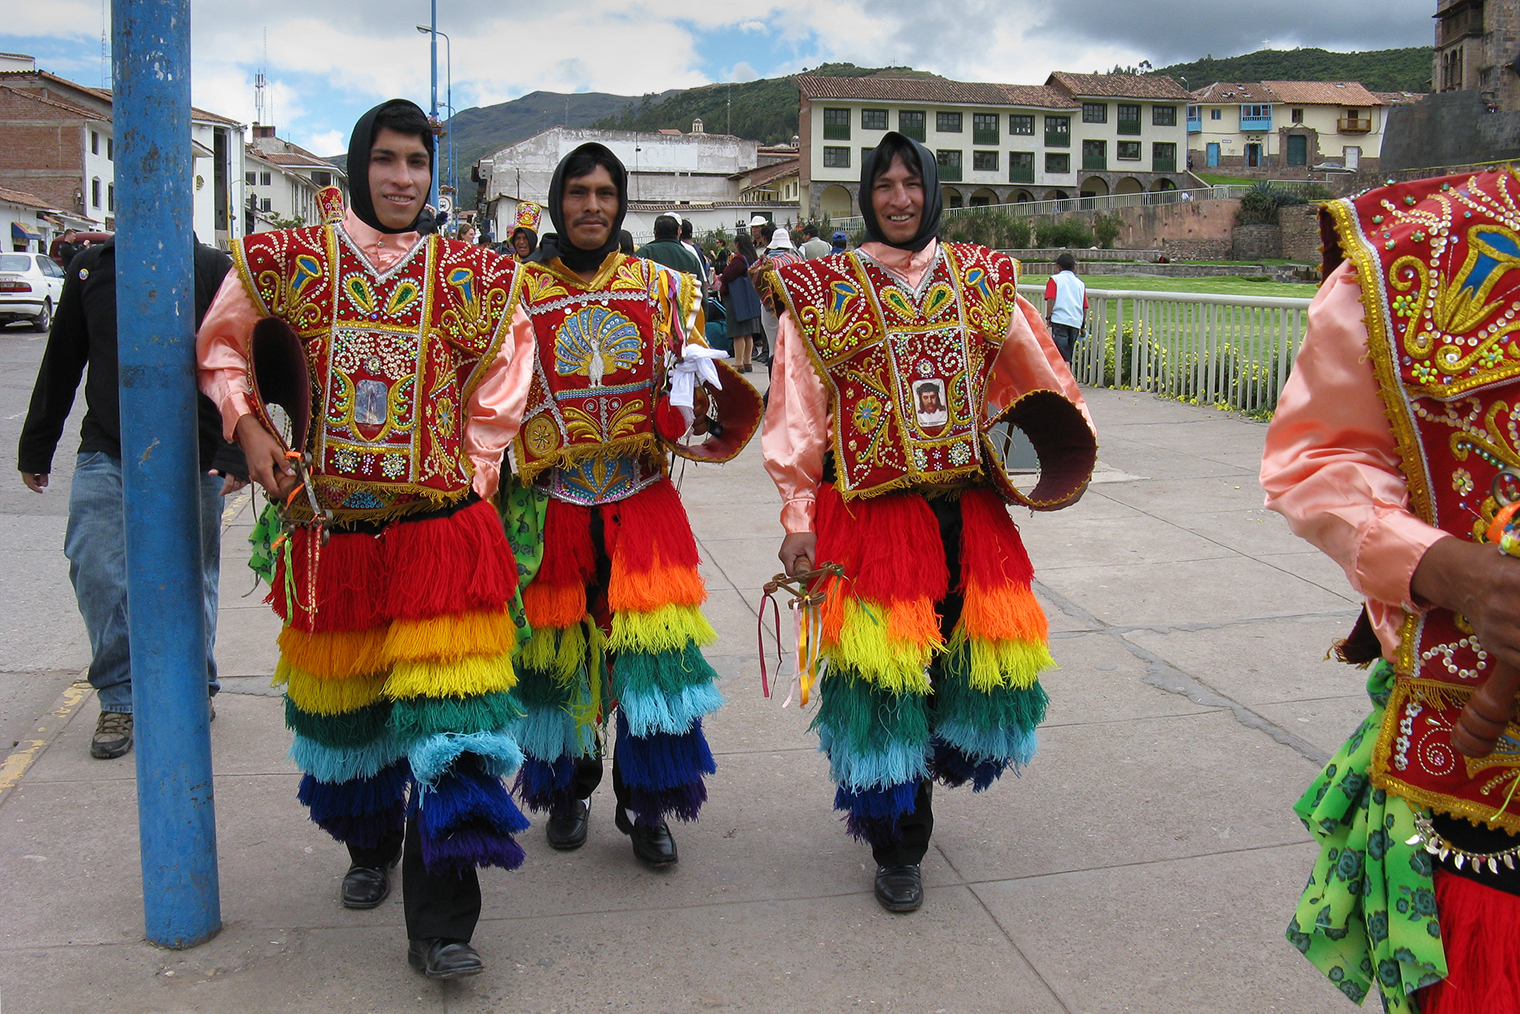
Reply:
x=1345, y=126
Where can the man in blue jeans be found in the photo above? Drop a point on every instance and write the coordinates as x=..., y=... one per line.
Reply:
x=84, y=332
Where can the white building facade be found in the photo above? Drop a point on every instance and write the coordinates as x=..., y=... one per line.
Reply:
x=1283, y=129
x=1077, y=135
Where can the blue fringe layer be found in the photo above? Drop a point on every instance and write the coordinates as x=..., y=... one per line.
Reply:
x=545, y=785
x=893, y=763
x=874, y=815
x=663, y=773
x=357, y=797
x=329, y=764
x=467, y=819
x=652, y=711
x=495, y=752
x=548, y=732
x=368, y=830
x=951, y=767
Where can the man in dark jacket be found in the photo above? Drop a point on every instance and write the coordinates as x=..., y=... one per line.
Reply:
x=84, y=332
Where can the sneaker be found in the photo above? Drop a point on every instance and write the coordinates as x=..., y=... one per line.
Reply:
x=113, y=735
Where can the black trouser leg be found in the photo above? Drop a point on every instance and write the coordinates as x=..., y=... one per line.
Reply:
x=619, y=787
x=588, y=775
x=916, y=828
x=443, y=905
x=381, y=855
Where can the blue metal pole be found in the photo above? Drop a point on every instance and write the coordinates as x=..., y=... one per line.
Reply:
x=433, y=45
x=155, y=315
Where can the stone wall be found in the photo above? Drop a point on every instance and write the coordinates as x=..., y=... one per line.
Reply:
x=1300, y=233
x=1448, y=129
x=1256, y=242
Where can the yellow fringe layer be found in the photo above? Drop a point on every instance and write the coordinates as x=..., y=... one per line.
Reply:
x=559, y=652
x=450, y=638
x=558, y=606
x=867, y=646
x=996, y=664
x=1009, y=613
x=655, y=588
x=334, y=654
x=467, y=677
x=321, y=696
x=670, y=628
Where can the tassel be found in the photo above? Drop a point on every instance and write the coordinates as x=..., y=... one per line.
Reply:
x=660, y=585
x=866, y=650
x=349, y=576
x=451, y=637
x=358, y=796
x=546, y=785
x=673, y=714
x=548, y=733
x=493, y=753
x=475, y=674
x=1000, y=559
x=367, y=830
x=683, y=802
x=329, y=697
x=454, y=564
x=874, y=816
x=550, y=606
x=1480, y=930
x=663, y=761
x=418, y=717
x=341, y=731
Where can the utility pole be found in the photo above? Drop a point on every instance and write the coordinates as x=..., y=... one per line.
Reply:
x=155, y=315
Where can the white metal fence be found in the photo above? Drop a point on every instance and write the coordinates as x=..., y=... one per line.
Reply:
x=1030, y=209
x=1234, y=351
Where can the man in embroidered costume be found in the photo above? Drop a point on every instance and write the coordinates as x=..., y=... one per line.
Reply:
x=1399, y=416
x=932, y=653
x=396, y=652
x=614, y=604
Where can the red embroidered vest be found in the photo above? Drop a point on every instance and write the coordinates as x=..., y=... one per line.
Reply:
x=600, y=366
x=1437, y=261
x=394, y=358
x=906, y=370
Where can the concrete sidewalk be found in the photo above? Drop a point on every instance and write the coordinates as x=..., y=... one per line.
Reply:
x=1147, y=861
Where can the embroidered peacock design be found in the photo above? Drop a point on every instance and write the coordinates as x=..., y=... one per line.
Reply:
x=595, y=342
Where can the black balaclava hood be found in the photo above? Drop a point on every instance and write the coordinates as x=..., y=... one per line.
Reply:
x=359, y=145
x=878, y=162
x=573, y=257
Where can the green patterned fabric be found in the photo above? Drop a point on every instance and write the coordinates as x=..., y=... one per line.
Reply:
x=260, y=543
x=522, y=509
x=1368, y=914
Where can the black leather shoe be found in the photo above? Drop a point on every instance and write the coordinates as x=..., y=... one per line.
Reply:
x=652, y=843
x=567, y=828
x=899, y=888
x=442, y=958
x=366, y=886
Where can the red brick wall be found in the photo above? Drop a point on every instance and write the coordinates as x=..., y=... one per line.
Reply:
x=43, y=151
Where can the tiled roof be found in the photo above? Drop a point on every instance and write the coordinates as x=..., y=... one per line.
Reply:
x=195, y=114
x=1236, y=91
x=764, y=174
x=1324, y=93
x=292, y=155
x=34, y=95
x=1398, y=98
x=1121, y=86
x=908, y=89
x=22, y=197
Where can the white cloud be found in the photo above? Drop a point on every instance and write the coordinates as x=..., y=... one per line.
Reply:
x=740, y=71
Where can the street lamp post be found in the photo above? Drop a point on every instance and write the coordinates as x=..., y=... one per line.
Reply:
x=448, y=53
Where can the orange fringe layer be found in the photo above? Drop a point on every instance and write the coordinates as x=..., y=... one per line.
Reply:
x=661, y=585
x=554, y=606
x=1009, y=613
x=334, y=654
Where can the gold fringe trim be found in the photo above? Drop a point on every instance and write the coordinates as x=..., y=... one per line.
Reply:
x=467, y=677
x=328, y=696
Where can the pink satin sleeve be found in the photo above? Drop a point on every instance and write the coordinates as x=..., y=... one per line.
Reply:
x=795, y=434
x=1030, y=361
x=1331, y=466
x=221, y=351
x=495, y=409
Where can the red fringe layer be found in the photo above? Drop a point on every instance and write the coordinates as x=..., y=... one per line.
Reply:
x=652, y=521
x=569, y=557
x=997, y=557
x=1480, y=930
x=889, y=545
x=349, y=584
x=415, y=571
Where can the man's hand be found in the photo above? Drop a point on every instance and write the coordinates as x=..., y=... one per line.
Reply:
x=1481, y=583
x=230, y=483
x=267, y=464
x=35, y=481
x=797, y=551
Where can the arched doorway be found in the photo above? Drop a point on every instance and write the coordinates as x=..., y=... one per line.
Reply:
x=1095, y=186
x=952, y=197
x=1129, y=185
x=1022, y=197
x=835, y=202
x=1056, y=195
x=1163, y=184
x=983, y=197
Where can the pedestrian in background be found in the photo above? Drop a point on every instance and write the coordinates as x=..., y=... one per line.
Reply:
x=840, y=242
x=812, y=245
x=95, y=541
x=1066, y=306
x=741, y=302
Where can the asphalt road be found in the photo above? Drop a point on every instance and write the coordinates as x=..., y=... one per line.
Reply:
x=43, y=647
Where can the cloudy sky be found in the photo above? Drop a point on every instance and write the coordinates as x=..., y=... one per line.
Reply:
x=326, y=63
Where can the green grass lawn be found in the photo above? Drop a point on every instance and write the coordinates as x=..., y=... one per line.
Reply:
x=1218, y=180
x=1216, y=286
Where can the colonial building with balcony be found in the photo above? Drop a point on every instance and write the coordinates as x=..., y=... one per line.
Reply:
x=281, y=180
x=1283, y=129
x=1076, y=135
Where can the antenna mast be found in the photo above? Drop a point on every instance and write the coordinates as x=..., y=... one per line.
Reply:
x=259, y=82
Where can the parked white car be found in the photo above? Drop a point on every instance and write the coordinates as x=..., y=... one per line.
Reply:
x=30, y=285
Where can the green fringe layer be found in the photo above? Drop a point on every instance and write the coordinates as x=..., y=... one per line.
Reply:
x=342, y=731
x=419, y=717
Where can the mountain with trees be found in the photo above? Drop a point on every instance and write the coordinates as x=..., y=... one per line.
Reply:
x=1382, y=70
